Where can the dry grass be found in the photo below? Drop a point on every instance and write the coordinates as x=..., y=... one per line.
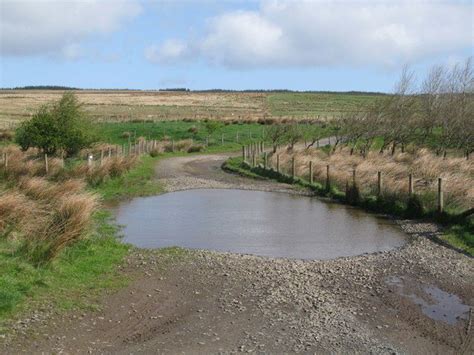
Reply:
x=46, y=213
x=457, y=173
x=17, y=105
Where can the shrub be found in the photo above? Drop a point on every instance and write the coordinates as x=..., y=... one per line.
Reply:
x=352, y=195
x=58, y=126
x=6, y=135
x=414, y=207
x=154, y=153
x=196, y=148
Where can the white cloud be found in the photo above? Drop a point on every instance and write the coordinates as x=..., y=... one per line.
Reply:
x=30, y=27
x=170, y=51
x=328, y=33
x=72, y=51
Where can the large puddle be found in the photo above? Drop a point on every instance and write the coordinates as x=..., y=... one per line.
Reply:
x=254, y=222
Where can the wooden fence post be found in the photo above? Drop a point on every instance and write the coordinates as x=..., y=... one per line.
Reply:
x=440, y=196
x=244, y=158
x=222, y=138
x=310, y=172
x=237, y=137
x=265, y=160
x=172, y=145
x=379, y=183
x=101, y=156
x=46, y=165
x=254, y=159
x=410, y=185
x=293, y=167
x=278, y=163
x=328, y=180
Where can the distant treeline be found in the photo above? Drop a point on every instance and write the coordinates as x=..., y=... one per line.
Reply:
x=42, y=87
x=57, y=87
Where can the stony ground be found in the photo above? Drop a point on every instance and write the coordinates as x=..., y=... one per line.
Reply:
x=208, y=302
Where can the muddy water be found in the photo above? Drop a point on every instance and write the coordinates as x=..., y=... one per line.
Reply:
x=254, y=222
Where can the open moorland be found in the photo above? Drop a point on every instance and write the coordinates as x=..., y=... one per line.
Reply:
x=109, y=105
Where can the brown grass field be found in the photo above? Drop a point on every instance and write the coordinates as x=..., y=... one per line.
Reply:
x=18, y=105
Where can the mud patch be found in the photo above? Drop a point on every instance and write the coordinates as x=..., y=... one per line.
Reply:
x=435, y=303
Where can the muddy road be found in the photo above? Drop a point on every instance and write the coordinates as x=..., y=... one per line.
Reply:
x=416, y=299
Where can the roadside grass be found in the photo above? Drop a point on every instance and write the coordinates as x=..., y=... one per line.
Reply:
x=459, y=233
x=71, y=280
x=461, y=236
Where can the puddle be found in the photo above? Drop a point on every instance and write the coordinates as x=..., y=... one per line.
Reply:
x=434, y=302
x=255, y=222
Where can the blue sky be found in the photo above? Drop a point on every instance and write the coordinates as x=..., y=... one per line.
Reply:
x=268, y=44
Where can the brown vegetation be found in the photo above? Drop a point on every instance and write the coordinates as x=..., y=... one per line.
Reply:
x=43, y=212
x=426, y=167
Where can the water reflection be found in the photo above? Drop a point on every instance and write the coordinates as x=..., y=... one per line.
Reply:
x=254, y=222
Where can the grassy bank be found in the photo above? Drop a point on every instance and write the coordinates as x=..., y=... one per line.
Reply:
x=71, y=280
x=459, y=233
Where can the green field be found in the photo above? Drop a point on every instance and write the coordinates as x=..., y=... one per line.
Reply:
x=232, y=133
x=316, y=104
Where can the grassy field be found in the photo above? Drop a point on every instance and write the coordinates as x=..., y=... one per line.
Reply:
x=310, y=104
x=237, y=133
x=18, y=105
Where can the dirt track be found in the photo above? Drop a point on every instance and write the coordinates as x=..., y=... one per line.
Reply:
x=206, y=302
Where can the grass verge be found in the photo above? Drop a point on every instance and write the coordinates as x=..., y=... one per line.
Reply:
x=79, y=272
x=138, y=181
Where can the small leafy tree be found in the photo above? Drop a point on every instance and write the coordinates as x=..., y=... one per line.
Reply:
x=212, y=127
x=293, y=135
x=276, y=133
x=61, y=125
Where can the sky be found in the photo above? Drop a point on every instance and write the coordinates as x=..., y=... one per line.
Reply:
x=267, y=44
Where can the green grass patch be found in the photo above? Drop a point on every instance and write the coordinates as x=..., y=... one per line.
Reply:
x=461, y=236
x=177, y=130
x=80, y=272
x=313, y=104
x=136, y=182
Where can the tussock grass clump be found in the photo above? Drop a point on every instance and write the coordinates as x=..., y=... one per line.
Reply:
x=45, y=217
x=44, y=213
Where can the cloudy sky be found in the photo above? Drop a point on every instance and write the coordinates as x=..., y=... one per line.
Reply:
x=301, y=45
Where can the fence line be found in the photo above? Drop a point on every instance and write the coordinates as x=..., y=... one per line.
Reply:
x=255, y=162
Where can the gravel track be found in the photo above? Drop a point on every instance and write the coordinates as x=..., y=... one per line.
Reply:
x=209, y=302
